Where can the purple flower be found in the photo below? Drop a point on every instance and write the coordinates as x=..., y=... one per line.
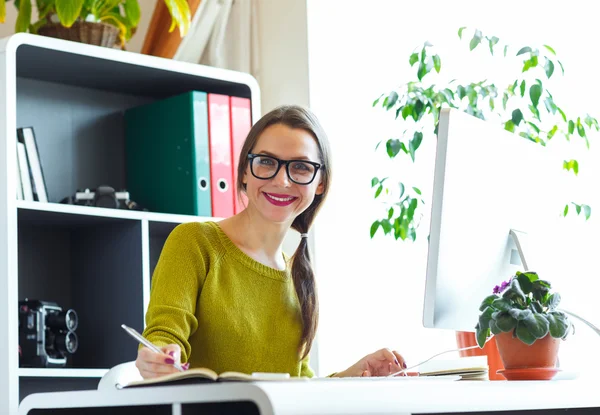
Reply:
x=499, y=288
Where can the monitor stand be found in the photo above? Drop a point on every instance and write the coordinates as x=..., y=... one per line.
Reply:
x=521, y=241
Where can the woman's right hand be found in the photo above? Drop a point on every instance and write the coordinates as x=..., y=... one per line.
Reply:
x=152, y=364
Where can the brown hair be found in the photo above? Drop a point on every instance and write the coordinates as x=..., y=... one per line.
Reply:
x=303, y=276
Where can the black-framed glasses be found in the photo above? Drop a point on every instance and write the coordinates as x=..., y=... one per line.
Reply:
x=298, y=171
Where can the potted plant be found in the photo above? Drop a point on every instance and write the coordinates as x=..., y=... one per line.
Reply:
x=522, y=315
x=98, y=22
x=524, y=106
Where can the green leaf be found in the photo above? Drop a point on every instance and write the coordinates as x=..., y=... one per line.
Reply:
x=391, y=99
x=487, y=301
x=378, y=191
x=535, y=92
x=422, y=71
x=571, y=165
x=390, y=213
x=532, y=276
x=401, y=190
x=407, y=110
x=417, y=190
x=377, y=100
x=530, y=63
x=505, y=322
x=492, y=42
x=413, y=58
x=540, y=289
x=485, y=317
x=414, y=144
x=536, y=307
x=374, y=228
x=460, y=31
x=517, y=117
x=387, y=226
x=587, y=211
x=393, y=147
x=68, y=11
x=525, y=284
x=580, y=129
x=524, y=335
x=549, y=67
x=537, y=325
x=505, y=50
x=494, y=328
x=482, y=335
x=374, y=181
x=562, y=113
x=502, y=304
x=437, y=63
x=524, y=50
x=577, y=208
x=476, y=40
x=520, y=315
x=181, y=15
x=566, y=210
x=550, y=49
x=558, y=324
x=24, y=16
x=418, y=110
x=552, y=132
x=571, y=127
x=553, y=301
x=523, y=88
x=509, y=126
x=133, y=12
x=561, y=67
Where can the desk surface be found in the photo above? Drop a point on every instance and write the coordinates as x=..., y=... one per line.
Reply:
x=338, y=396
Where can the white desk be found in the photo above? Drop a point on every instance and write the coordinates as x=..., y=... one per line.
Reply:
x=328, y=396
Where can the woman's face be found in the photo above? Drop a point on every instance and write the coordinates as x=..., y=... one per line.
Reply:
x=279, y=199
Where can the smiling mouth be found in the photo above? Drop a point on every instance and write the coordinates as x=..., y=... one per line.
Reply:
x=279, y=200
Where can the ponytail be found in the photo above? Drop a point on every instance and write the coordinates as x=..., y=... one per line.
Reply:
x=304, y=280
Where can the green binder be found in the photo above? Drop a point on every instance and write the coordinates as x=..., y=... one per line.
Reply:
x=167, y=155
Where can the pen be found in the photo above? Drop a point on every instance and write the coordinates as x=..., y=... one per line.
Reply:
x=146, y=343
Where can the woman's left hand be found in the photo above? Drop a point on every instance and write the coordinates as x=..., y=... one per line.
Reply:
x=383, y=362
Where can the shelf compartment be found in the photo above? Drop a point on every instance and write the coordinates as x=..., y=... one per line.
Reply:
x=93, y=265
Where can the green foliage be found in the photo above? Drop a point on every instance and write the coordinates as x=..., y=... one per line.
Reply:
x=123, y=14
x=525, y=307
x=525, y=107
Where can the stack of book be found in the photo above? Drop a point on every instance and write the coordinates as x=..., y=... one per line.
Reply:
x=468, y=368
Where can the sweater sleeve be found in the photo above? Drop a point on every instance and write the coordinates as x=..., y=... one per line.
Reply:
x=176, y=285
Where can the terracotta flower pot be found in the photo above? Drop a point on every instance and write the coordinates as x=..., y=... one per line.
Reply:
x=517, y=355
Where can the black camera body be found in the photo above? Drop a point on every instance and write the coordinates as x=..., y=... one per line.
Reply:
x=103, y=196
x=46, y=334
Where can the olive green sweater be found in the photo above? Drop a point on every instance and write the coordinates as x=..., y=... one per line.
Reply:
x=227, y=311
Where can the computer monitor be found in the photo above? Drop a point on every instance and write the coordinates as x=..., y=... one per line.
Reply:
x=487, y=182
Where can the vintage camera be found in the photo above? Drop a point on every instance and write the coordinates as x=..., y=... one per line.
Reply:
x=46, y=334
x=103, y=196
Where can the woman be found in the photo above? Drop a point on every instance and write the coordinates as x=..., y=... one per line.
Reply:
x=224, y=295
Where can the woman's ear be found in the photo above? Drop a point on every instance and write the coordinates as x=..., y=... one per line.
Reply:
x=320, y=189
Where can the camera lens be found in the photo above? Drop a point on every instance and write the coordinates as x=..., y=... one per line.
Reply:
x=66, y=342
x=64, y=320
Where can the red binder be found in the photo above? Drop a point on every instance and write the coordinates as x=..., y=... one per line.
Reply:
x=241, y=122
x=219, y=139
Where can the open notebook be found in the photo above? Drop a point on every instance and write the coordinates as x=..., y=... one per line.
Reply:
x=468, y=368
x=205, y=375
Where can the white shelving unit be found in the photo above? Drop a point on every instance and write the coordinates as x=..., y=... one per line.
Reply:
x=96, y=261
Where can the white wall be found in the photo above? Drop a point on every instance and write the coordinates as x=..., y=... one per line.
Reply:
x=372, y=290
